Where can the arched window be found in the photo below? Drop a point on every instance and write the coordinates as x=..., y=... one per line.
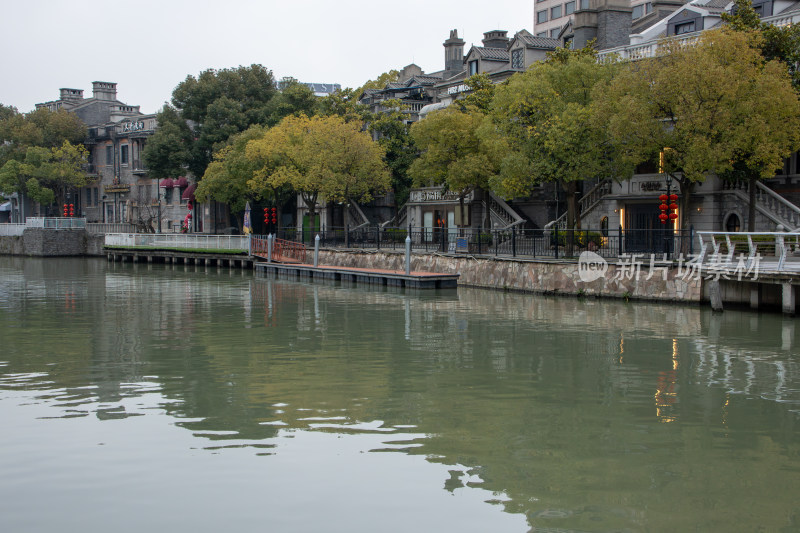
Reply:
x=604, y=226
x=733, y=224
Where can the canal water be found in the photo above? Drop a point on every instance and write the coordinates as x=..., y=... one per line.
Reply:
x=183, y=398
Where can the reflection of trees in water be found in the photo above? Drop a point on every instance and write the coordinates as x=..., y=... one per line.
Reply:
x=560, y=403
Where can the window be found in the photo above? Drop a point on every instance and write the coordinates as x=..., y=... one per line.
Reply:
x=168, y=195
x=584, y=4
x=542, y=34
x=473, y=67
x=123, y=154
x=541, y=16
x=648, y=7
x=88, y=197
x=638, y=11
x=686, y=27
x=554, y=32
x=569, y=8
x=604, y=226
x=109, y=155
x=96, y=195
x=517, y=58
x=555, y=12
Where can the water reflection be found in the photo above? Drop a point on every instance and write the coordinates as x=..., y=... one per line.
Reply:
x=574, y=414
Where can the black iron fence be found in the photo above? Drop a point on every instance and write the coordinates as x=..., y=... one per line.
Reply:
x=513, y=242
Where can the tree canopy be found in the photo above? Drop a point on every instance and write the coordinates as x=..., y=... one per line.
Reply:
x=41, y=128
x=46, y=174
x=706, y=107
x=544, y=114
x=319, y=157
x=216, y=104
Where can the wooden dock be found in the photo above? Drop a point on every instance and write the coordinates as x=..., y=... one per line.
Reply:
x=370, y=276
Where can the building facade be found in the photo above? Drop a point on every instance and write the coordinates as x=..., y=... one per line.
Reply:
x=121, y=190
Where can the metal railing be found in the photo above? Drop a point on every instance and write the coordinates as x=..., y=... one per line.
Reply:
x=183, y=241
x=513, y=242
x=12, y=229
x=771, y=251
x=55, y=222
x=99, y=228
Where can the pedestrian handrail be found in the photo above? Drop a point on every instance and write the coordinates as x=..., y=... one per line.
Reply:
x=190, y=241
x=734, y=249
x=55, y=222
x=99, y=228
x=12, y=229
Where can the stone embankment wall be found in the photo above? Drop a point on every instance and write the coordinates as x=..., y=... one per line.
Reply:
x=618, y=281
x=40, y=242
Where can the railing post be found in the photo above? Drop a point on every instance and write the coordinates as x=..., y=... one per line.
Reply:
x=555, y=240
x=408, y=253
x=513, y=241
x=316, y=251
x=269, y=248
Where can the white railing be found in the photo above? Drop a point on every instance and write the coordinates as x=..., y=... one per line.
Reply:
x=100, y=228
x=740, y=250
x=769, y=203
x=186, y=241
x=55, y=223
x=11, y=230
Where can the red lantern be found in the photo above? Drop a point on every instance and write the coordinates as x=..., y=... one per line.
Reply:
x=663, y=198
x=663, y=217
x=673, y=216
x=71, y=210
x=266, y=215
x=673, y=198
x=673, y=206
x=65, y=210
x=663, y=207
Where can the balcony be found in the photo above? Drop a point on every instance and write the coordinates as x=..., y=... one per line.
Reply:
x=138, y=167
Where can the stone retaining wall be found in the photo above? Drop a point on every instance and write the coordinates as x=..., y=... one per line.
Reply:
x=619, y=281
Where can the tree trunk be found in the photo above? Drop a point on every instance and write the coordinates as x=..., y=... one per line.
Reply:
x=751, y=208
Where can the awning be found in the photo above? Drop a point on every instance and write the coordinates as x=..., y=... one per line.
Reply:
x=180, y=182
x=188, y=194
x=5, y=207
x=167, y=183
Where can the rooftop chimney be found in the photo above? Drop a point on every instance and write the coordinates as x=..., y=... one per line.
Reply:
x=495, y=39
x=71, y=94
x=103, y=90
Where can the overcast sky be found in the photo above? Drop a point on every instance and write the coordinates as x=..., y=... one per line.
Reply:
x=148, y=46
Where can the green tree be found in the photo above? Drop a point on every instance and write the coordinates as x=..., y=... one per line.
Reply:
x=781, y=43
x=167, y=152
x=227, y=176
x=452, y=154
x=216, y=104
x=46, y=174
x=294, y=98
x=343, y=103
x=392, y=133
x=708, y=107
x=544, y=116
x=320, y=158
x=42, y=128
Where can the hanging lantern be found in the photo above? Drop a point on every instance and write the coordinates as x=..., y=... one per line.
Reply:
x=663, y=198
x=673, y=206
x=673, y=216
x=673, y=197
x=663, y=207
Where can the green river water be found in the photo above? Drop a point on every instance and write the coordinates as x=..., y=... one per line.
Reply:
x=180, y=398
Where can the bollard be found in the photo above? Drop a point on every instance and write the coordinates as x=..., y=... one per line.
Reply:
x=408, y=255
x=316, y=250
x=269, y=248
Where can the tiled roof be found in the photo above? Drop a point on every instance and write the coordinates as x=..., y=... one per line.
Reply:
x=493, y=54
x=540, y=42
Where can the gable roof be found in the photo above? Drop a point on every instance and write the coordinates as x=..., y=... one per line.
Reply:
x=490, y=54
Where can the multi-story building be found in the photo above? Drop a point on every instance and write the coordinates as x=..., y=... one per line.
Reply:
x=122, y=190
